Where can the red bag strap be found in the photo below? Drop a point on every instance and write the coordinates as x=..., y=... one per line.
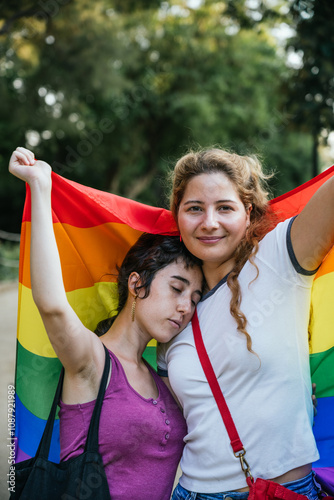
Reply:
x=236, y=443
x=215, y=388
x=237, y=446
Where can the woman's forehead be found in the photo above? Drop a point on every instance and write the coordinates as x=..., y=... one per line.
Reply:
x=211, y=185
x=181, y=270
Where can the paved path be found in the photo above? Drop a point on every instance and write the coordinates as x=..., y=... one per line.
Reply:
x=8, y=318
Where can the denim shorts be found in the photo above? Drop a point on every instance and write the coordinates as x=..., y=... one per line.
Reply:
x=306, y=486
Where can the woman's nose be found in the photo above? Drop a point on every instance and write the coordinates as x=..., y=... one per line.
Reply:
x=210, y=220
x=184, y=306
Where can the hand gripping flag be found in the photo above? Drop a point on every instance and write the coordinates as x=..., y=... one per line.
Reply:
x=94, y=230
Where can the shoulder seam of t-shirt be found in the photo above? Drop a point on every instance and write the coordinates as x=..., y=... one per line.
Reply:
x=161, y=372
x=215, y=288
x=298, y=268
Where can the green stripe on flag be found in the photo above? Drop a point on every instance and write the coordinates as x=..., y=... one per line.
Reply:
x=150, y=354
x=322, y=372
x=36, y=381
x=37, y=378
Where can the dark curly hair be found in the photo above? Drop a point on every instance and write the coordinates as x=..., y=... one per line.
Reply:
x=150, y=254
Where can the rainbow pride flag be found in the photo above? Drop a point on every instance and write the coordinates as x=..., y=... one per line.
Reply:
x=94, y=230
x=321, y=332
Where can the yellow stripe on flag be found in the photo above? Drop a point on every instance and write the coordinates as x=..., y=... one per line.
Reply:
x=91, y=305
x=322, y=314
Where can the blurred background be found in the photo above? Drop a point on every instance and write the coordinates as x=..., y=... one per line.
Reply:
x=112, y=92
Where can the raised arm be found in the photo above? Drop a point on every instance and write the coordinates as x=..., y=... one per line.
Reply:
x=77, y=347
x=312, y=232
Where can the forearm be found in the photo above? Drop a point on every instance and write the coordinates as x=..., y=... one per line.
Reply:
x=66, y=332
x=46, y=275
x=74, y=344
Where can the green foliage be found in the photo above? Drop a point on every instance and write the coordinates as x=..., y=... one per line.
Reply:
x=311, y=88
x=112, y=92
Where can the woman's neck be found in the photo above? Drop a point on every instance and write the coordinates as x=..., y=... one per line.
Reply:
x=126, y=339
x=214, y=272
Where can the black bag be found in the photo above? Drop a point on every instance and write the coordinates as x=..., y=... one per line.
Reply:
x=80, y=478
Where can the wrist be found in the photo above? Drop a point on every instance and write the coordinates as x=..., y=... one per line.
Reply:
x=40, y=185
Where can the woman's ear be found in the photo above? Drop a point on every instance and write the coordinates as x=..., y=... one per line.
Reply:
x=133, y=283
x=248, y=212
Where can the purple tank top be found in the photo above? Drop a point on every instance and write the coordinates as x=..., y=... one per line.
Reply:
x=140, y=440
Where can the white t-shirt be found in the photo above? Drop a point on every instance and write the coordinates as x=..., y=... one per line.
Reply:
x=269, y=396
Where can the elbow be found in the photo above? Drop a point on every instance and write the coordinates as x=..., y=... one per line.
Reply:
x=47, y=307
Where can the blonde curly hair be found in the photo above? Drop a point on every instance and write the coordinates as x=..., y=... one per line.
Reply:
x=247, y=175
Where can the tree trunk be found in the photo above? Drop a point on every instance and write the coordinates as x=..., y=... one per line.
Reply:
x=315, y=162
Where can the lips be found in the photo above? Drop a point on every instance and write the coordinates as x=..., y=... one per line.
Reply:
x=175, y=323
x=210, y=239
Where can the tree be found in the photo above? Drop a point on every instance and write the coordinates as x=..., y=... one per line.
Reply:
x=110, y=94
x=311, y=88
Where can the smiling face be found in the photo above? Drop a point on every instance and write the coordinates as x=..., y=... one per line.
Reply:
x=170, y=305
x=212, y=221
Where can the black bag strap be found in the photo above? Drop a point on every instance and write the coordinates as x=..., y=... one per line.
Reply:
x=92, y=442
x=45, y=442
x=92, y=438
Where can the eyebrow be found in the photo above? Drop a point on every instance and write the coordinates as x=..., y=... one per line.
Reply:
x=202, y=202
x=187, y=282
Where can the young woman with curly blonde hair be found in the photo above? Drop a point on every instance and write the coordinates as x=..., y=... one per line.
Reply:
x=254, y=319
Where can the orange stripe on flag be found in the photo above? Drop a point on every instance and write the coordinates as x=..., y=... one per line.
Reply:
x=327, y=265
x=88, y=255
